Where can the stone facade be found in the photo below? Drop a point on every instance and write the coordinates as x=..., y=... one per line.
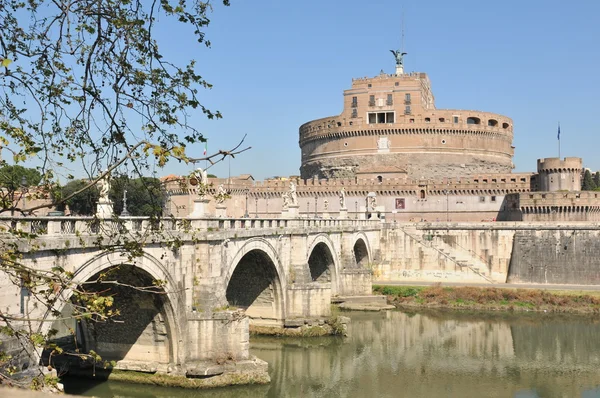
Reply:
x=391, y=120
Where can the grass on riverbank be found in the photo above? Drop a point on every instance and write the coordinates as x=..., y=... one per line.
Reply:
x=490, y=298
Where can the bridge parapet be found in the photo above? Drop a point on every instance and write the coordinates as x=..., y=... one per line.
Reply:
x=82, y=226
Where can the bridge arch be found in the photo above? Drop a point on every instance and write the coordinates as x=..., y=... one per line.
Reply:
x=361, y=250
x=323, y=261
x=146, y=316
x=255, y=281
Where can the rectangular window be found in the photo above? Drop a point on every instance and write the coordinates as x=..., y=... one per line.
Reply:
x=407, y=110
x=455, y=119
x=354, y=113
x=407, y=98
x=493, y=199
x=390, y=100
x=371, y=100
x=381, y=117
x=482, y=199
x=354, y=102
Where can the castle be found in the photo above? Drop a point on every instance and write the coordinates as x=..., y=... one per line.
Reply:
x=398, y=158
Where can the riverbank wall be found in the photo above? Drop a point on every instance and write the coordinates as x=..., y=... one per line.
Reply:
x=498, y=252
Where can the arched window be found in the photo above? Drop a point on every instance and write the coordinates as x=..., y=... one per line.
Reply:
x=473, y=120
x=492, y=123
x=422, y=195
x=380, y=179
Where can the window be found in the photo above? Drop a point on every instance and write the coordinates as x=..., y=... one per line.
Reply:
x=513, y=180
x=482, y=199
x=354, y=102
x=504, y=125
x=381, y=117
x=407, y=110
x=493, y=199
x=379, y=179
x=492, y=123
x=427, y=119
x=442, y=120
x=473, y=120
x=543, y=196
x=455, y=119
x=407, y=98
x=369, y=85
x=371, y=100
x=390, y=100
x=485, y=180
x=422, y=194
x=412, y=120
x=354, y=113
x=396, y=84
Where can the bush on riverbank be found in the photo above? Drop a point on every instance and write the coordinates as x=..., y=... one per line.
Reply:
x=490, y=298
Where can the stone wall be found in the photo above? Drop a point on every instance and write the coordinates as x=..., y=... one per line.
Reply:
x=560, y=256
x=501, y=252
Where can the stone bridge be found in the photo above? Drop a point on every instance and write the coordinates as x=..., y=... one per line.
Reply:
x=217, y=276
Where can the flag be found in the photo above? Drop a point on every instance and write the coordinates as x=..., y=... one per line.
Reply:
x=205, y=148
x=558, y=132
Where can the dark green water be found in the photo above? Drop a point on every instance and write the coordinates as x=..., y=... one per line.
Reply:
x=425, y=354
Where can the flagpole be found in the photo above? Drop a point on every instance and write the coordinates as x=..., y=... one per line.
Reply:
x=558, y=140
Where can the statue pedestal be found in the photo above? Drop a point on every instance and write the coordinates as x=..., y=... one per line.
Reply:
x=104, y=209
x=200, y=208
x=343, y=214
x=399, y=69
x=221, y=210
x=293, y=211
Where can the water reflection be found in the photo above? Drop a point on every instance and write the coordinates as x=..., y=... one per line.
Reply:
x=426, y=354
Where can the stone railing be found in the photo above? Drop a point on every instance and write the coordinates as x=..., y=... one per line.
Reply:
x=53, y=226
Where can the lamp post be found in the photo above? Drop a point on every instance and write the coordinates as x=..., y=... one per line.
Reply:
x=316, y=202
x=124, y=213
x=23, y=187
x=356, y=209
x=256, y=208
x=267, y=215
x=307, y=209
x=246, y=215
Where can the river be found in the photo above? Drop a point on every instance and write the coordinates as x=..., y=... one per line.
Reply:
x=418, y=354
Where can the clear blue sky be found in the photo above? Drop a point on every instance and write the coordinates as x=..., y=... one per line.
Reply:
x=277, y=64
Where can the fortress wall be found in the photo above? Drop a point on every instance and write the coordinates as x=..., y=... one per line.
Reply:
x=513, y=252
x=563, y=256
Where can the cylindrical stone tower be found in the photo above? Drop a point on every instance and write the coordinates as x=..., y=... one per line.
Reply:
x=559, y=175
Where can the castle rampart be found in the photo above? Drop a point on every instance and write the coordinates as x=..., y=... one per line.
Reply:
x=391, y=120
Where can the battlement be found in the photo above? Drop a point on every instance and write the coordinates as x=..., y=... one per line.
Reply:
x=557, y=165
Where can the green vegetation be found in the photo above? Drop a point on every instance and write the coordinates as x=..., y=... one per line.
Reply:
x=89, y=95
x=588, y=182
x=491, y=298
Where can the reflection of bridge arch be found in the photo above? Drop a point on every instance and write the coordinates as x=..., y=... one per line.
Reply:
x=323, y=262
x=255, y=281
x=361, y=250
x=136, y=313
